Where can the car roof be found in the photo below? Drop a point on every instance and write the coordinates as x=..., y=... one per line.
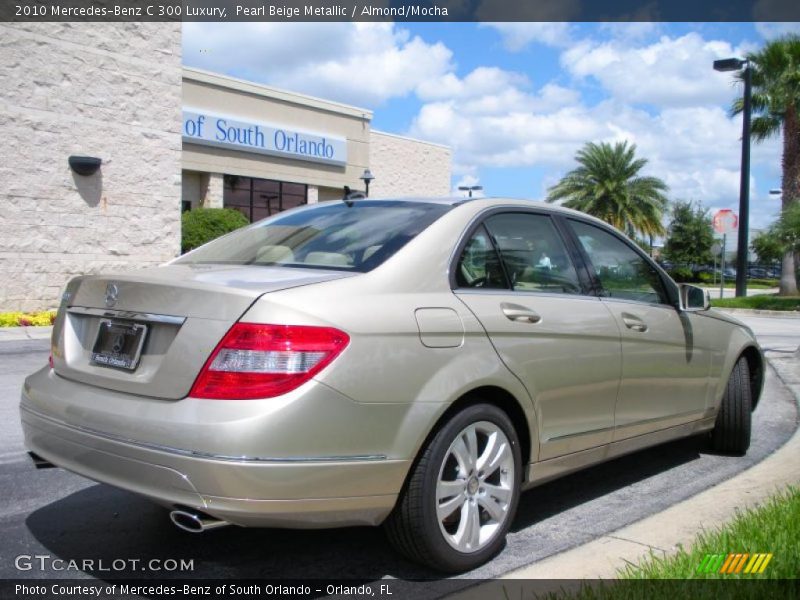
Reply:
x=479, y=204
x=485, y=202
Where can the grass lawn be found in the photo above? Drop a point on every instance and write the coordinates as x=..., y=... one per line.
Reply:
x=761, y=302
x=773, y=527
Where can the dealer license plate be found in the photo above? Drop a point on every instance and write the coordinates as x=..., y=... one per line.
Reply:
x=119, y=345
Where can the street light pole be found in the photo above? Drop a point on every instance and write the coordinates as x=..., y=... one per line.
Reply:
x=734, y=64
x=744, y=188
x=367, y=177
x=470, y=188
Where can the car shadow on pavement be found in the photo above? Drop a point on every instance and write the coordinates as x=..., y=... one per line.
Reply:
x=104, y=524
x=583, y=486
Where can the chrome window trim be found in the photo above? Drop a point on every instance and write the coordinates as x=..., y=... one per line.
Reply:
x=204, y=455
x=522, y=293
x=126, y=315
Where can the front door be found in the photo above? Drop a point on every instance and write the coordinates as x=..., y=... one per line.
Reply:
x=665, y=369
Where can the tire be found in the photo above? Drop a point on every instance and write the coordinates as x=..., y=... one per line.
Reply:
x=731, y=434
x=482, y=497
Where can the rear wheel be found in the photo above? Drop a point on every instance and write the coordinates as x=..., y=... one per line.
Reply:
x=731, y=433
x=461, y=497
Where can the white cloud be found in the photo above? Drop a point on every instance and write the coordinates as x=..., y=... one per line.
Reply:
x=696, y=150
x=670, y=72
x=358, y=63
x=518, y=36
x=773, y=30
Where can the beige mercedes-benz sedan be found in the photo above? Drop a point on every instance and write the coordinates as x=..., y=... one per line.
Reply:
x=416, y=363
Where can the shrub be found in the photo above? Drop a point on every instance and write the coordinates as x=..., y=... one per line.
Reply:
x=205, y=224
x=20, y=319
x=10, y=319
x=681, y=274
x=705, y=277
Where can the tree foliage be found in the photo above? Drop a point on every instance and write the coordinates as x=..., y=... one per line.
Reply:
x=775, y=75
x=608, y=185
x=690, y=235
x=787, y=229
x=767, y=247
x=205, y=224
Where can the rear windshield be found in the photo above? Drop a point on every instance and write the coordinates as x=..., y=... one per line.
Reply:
x=329, y=236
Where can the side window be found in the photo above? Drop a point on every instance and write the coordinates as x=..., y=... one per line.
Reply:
x=478, y=266
x=622, y=272
x=533, y=253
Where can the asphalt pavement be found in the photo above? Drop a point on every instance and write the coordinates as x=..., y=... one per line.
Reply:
x=56, y=513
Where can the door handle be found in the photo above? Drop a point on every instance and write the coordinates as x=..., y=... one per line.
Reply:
x=635, y=323
x=521, y=314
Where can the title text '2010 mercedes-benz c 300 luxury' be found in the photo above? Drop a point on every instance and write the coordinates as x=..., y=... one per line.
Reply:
x=411, y=363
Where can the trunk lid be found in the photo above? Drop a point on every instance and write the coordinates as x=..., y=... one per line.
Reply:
x=186, y=309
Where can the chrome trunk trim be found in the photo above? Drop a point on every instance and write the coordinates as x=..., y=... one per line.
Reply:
x=126, y=315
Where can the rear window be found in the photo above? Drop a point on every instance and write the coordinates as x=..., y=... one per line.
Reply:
x=328, y=236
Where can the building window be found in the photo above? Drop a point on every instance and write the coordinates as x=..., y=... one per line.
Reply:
x=257, y=199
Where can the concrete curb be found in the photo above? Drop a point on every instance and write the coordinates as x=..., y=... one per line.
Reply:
x=15, y=334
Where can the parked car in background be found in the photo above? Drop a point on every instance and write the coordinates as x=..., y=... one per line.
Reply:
x=411, y=363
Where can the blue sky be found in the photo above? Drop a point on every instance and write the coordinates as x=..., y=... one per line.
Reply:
x=516, y=101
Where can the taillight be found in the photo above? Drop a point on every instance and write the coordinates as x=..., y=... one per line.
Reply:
x=262, y=361
x=50, y=360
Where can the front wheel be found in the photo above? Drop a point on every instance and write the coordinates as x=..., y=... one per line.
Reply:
x=462, y=494
x=731, y=433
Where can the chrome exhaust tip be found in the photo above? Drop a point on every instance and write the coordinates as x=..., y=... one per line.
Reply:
x=195, y=522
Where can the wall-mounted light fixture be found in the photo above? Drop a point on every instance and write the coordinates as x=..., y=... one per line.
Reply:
x=84, y=165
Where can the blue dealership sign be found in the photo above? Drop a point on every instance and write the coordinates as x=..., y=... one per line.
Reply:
x=250, y=136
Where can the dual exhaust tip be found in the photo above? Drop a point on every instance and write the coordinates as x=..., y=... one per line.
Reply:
x=195, y=521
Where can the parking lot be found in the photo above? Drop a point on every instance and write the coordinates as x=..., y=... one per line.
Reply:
x=55, y=513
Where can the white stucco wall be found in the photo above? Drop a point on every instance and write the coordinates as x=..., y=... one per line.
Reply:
x=406, y=167
x=110, y=90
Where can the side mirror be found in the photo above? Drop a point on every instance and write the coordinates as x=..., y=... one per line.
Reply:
x=693, y=298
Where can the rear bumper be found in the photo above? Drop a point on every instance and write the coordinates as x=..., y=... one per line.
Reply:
x=299, y=492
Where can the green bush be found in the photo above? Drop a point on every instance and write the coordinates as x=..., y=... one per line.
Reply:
x=760, y=302
x=205, y=224
x=705, y=277
x=21, y=319
x=681, y=274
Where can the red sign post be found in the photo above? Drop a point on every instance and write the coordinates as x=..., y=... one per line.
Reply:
x=724, y=221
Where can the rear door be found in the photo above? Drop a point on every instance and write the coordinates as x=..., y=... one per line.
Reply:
x=665, y=365
x=516, y=275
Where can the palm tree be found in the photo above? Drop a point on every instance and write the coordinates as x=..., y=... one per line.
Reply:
x=608, y=186
x=775, y=72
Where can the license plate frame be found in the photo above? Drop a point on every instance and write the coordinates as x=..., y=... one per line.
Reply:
x=118, y=344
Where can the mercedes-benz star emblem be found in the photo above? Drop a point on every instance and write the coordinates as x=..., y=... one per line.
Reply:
x=112, y=291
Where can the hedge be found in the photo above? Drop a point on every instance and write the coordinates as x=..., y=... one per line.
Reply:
x=202, y=225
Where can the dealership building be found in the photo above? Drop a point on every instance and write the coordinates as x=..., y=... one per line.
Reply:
x=148, y=139
x=261, y=150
